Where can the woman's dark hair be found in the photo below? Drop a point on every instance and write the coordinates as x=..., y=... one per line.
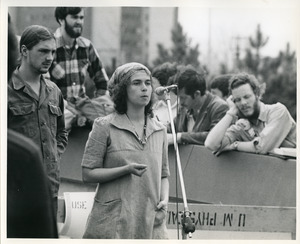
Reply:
x=118, y=83
x=242, y=79
x=33, y=34
x=61, y=12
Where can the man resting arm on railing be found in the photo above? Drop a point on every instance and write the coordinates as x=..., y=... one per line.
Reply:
x=261, y=127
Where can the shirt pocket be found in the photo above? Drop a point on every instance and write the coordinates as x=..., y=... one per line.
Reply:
x=22, y=109
x=23, y=118
x=55, y=112
x=104, y=220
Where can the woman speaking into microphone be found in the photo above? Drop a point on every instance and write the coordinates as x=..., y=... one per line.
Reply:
x=127, y=155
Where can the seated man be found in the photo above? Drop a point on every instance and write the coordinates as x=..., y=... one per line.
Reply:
x=200, y=110
x=261, y=127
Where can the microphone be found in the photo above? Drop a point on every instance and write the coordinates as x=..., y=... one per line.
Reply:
x=161, y=89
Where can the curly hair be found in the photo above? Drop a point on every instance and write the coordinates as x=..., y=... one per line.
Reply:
x=242, y=79
x=117, y=86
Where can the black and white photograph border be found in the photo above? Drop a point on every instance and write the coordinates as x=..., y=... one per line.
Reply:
x=219, y=30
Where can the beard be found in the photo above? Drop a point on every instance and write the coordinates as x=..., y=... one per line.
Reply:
x=255, y=113
x=71, y=32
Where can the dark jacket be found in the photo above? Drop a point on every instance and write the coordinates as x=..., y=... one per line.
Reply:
x=40, y=119
x=30, y=211
x=210, y=113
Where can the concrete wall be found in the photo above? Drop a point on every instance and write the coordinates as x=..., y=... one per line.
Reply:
x=161, y=22
x=103, y=26
x=25, y=16
x=106, y=33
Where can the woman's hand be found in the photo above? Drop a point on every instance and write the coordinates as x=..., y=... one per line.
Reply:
x=162, y=205
x=137, y=169
x=102, y=175
x=161, y=212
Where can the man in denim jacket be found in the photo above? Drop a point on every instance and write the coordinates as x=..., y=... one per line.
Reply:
x=35, y=104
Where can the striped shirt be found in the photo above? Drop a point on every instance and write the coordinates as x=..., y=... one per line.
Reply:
x=71, y=65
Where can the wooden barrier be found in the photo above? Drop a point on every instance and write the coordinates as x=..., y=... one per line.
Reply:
x=237, y=218
x=75, y=207
x=234, y=178
x=233, y=192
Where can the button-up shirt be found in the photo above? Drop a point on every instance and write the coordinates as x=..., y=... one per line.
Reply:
x=274, y=128
x=41, y=119
x=71, y=65
x=161, y=112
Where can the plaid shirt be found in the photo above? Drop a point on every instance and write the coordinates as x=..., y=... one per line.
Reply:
x=71, y=64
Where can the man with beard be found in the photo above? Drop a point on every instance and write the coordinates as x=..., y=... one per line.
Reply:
x=35, y=104
x=75, y=57
x=250, y=125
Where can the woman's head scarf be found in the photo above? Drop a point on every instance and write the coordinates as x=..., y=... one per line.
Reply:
x=122, y=75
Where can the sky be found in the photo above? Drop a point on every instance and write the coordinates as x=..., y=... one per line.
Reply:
x=215, y=24
x=217, y=29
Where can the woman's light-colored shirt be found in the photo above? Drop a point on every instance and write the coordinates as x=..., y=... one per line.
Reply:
x=126, y=207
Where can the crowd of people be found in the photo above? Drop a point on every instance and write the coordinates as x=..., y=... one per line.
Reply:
x=127, y=149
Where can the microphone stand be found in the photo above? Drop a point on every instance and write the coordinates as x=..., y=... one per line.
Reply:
x=188, y=227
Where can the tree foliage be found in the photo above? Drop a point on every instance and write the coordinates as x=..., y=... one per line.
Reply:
x=280, y=75
x=253, y=56
x=277, y=75
x=181, y=51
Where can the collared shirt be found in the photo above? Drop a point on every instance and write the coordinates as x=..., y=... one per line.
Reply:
x=41, y=119
x=274, y=128
x=130, y=199
x=190, y=122
x=205, y=118
x=161, y=112
x=71, y=65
